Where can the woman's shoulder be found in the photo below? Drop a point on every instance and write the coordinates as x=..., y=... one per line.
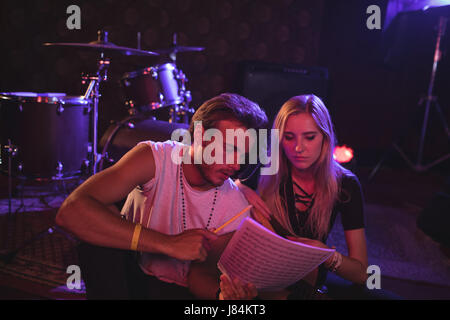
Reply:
x=349, y=186
x=349, y=180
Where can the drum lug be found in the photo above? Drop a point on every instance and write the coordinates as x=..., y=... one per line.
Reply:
x=187, y=97
x=59, y=109
x=59, y=170
x=85, y=165
x=11, y=149
x=89, y=147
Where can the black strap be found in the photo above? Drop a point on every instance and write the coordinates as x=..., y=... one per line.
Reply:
x=288, y=196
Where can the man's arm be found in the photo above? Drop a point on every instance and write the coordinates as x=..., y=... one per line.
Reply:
x=203, y=278
x=85, y=212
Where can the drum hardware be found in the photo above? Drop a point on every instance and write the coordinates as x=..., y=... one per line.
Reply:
x=12, y=151
x=104, y=47
x=59, y=169
x=60, y=109
x=139, y=40
x=175, y=48
x=428, y=101
x=93, y=93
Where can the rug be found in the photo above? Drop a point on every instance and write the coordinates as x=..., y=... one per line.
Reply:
x=46, y=258
x=398, y=247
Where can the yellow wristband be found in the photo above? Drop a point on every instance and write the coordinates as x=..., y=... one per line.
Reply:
x=135, y=239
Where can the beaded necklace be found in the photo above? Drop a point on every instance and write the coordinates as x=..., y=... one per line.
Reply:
x=183, y=203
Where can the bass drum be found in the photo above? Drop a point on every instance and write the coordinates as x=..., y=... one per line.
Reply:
x=121, y=137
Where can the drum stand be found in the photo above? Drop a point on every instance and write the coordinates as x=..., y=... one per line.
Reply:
x=180, y=114
x=430, y=101
x=12, y=151
x=93, y=91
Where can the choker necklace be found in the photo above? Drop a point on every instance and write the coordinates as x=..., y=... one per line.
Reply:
x=183, y=203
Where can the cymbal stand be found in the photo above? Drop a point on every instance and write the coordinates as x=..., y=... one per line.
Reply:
x=430, y=101
x=12, y=151
x=93, y=91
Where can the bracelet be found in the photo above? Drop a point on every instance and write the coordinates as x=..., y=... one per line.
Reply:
x=337, y=260
x=338, y=263
x=333, y=261
x=135, y=239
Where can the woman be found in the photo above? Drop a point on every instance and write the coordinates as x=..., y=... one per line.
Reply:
x=305, y=196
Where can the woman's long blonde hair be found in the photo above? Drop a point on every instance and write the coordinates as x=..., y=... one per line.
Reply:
x=326, y=170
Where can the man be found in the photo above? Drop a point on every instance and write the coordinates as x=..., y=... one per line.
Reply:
x=174, y=203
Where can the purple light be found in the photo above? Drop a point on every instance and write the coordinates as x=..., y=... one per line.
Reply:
x=396, y=6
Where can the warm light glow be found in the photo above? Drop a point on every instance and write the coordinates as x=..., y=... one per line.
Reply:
x=343, y=154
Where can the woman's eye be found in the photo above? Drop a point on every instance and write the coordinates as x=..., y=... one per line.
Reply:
x=288, y=138
x=310, y=138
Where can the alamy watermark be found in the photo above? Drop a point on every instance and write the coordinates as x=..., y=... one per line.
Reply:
x=374, y=279
x=74, y=280
x=74, y=20
x=222, y=150
x=374, y=20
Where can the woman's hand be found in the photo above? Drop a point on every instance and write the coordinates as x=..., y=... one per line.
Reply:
x=254, y=199
x=313, y=243
x=235, y=289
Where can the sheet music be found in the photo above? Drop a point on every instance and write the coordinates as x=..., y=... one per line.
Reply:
x=259, y=256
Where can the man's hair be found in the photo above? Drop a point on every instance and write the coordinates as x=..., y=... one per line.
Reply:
x=229, y=106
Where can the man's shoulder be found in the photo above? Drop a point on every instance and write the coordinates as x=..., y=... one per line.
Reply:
x=168, y=144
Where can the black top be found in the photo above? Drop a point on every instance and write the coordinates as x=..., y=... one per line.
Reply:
x=350, y=205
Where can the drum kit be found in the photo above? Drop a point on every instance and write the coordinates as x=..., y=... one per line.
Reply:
x=53, y=136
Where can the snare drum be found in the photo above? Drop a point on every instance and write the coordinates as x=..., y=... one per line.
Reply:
x=49, y=130
x=154, y=87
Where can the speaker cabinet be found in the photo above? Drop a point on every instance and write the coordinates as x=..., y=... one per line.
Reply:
x=270, y=84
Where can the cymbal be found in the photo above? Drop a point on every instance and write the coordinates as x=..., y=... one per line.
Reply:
x=177, y=48
x=103, y=46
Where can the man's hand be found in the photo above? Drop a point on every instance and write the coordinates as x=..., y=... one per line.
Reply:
x=191, y=244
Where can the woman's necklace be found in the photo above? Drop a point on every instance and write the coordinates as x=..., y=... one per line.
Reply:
x=183, y=202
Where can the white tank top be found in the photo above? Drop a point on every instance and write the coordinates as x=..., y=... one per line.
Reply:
x=157, y=206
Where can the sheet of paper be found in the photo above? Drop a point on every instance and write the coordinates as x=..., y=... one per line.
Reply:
x=259, y=256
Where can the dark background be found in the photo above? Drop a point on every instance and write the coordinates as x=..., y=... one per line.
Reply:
x=370, y=97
